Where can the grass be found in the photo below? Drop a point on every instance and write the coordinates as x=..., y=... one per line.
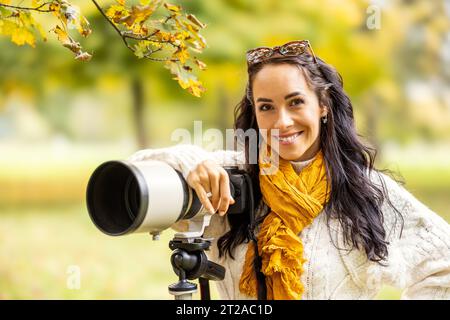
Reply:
x=40, y=246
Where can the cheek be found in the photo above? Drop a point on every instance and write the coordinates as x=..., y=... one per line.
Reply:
x=265, y=135
x=311, y=121
x=262, y=121
x=314, y=124
x=264, y=124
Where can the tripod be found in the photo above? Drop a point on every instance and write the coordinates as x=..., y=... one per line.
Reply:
x=189, y=261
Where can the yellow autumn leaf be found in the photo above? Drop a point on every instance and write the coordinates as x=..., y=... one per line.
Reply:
x=55, y=8
x=23, y=36
x=138, y=14
x=83, y=27
x=182, y=54
x=196, y=88
x=26, y=19
x=7, y=27
x=121, y=2
x=182, y=35
x=200, y=64
x=185, y=79
x=63, y=37
x=28, y=22
x=172, y=7
x=163, y=36
x=116, y=13
x=156, y=45
x=72, y=18
x=20, y=32
x=140, y=49
x=197, y=39
x=183, y=83
x=138, y=29
x=193, y=85
x=41, y=32
x=195, y=21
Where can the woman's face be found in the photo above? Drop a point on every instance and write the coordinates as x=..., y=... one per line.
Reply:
x=283, y=101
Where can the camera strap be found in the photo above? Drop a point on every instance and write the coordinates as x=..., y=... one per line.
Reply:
x=257, y=262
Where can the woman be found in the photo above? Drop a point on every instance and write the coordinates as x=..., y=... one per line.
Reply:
x=329, y=225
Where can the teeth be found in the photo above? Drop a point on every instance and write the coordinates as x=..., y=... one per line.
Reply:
x=290, y=138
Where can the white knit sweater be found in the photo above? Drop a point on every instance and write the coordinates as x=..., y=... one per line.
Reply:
x=418, y=261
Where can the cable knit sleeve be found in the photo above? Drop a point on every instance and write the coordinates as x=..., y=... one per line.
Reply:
x=186, y=157
x=419, y=255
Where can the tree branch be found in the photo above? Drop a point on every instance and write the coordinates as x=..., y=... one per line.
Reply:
x=113, y=25
x=125, y=36
x=38, y=9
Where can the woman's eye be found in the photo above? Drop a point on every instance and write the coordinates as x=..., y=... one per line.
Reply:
x=296, y=102
x=264, y=107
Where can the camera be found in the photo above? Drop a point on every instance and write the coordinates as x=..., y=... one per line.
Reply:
x=149, y=196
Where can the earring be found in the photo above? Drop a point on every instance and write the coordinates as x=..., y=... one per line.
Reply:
x=325, y=119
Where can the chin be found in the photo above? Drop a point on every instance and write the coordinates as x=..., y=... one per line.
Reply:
x=293, y=155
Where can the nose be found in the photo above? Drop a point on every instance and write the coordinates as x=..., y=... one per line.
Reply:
x=284, y=120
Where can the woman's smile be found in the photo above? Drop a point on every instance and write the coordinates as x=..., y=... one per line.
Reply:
x=288, y=139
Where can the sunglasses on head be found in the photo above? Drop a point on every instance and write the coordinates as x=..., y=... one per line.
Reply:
x=293, y=48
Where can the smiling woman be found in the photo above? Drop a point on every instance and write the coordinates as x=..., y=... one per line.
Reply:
x=329, y=225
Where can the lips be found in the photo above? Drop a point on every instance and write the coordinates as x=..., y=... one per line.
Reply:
x=289, y=138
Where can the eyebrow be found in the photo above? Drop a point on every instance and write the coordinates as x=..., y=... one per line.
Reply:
x=290, y=95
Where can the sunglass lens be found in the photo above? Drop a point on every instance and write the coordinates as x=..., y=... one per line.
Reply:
x=295, y=48
x=255, y=56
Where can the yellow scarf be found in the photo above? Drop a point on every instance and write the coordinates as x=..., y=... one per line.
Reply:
x=295, y=200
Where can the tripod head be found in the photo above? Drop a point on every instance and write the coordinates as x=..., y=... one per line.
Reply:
x=189, y=261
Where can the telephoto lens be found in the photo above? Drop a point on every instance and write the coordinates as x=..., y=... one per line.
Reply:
x=148, y=196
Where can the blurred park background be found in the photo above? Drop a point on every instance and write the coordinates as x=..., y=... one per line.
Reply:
x=60, y=118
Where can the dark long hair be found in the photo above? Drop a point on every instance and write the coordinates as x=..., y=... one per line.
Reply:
x=355, y=200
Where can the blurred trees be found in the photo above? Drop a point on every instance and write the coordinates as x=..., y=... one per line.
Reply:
x=397, y=75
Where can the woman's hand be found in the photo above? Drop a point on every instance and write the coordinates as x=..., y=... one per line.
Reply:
x=209, y=177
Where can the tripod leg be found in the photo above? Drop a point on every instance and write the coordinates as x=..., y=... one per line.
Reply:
x=204, y=289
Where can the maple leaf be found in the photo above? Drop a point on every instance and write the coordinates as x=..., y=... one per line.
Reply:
x=23, y=36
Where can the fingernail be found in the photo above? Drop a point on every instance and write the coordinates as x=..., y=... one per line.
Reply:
x=221, y=213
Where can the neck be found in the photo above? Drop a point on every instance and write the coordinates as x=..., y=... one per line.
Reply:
x=298, y=165
x=303, y=160
x=311, y=152
x=306, y=158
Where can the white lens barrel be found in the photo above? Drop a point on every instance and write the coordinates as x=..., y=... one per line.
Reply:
x=165, y=195
x=145, y=196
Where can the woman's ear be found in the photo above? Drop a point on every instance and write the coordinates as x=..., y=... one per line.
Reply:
x=323, y=111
